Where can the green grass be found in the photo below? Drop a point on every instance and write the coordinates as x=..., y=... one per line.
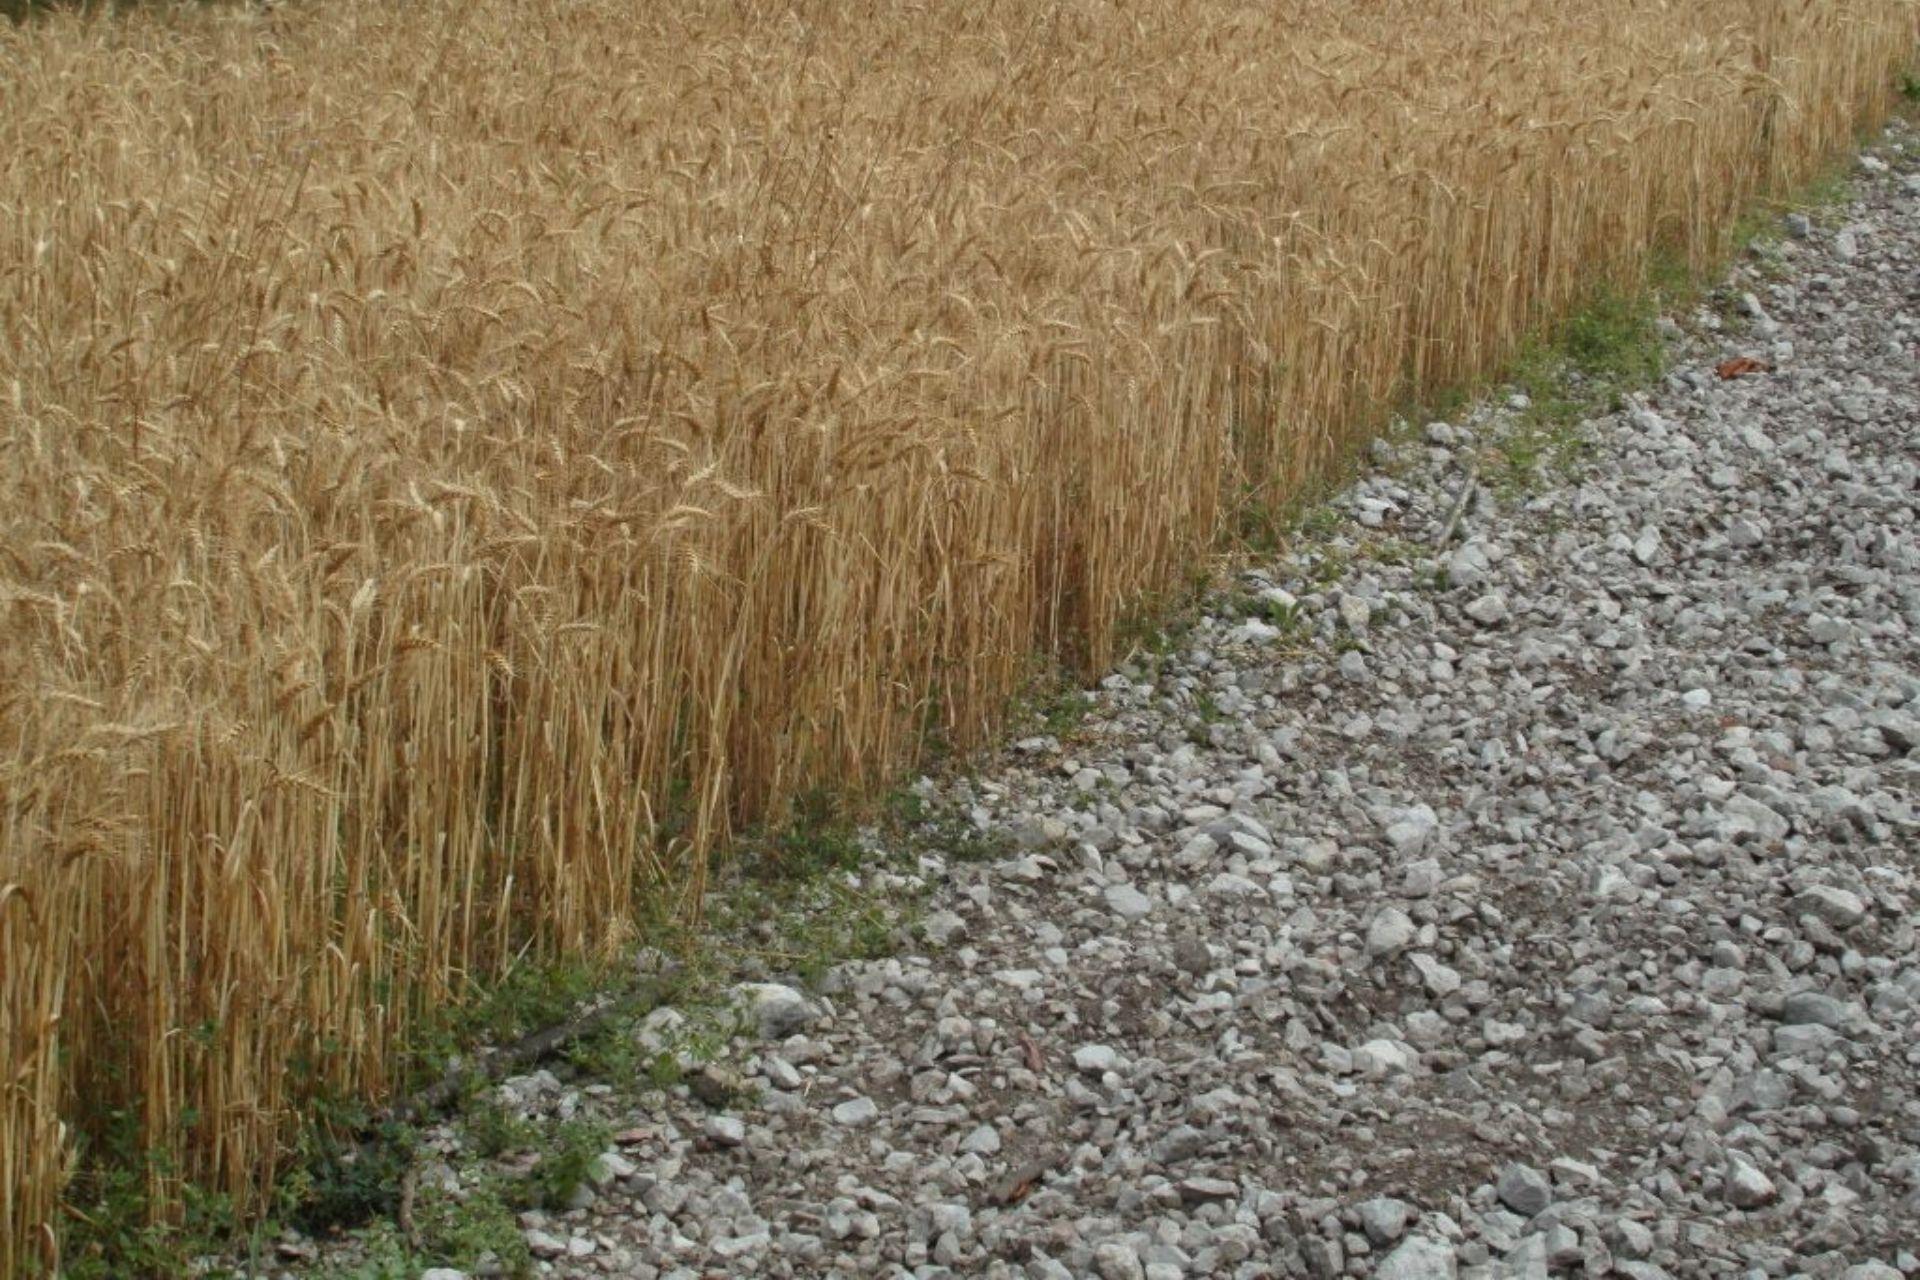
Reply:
x=384, y=1256
x=820, y=838
x=531, y=996
x=1064, y=709
x=1586, y=365
x=1394, y=551
x=462, y=1232
x=1612, y=340
x=1286, y=618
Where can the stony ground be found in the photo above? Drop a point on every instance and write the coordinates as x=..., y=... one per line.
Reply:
x=1516, y=881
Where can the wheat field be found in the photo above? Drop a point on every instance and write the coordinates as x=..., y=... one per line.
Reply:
x=460, y=460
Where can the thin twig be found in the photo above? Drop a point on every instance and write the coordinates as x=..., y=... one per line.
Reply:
x=409, y=1186
x=536, y=1047
x=1459, y=507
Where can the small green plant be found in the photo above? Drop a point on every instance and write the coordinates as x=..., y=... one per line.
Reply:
x=1390, y=551
x=1066, y=710
x=1288, y=615
x=383, y=1256
x=809, y=903
x=1598, y=354
x=1330, y=564
x=527, y=998
x=1255, y=527
x=952, y=836
x=565, y=1161
x=1050, y=699
x=346, y=1180
x=1670, y=278
x=114, y=1231
x=839, y=923
x=608, y=1053
x=1319, y=524
x=492, y=1130
x=1538, y=445
x=460, y=1232
x=1760, y=228
x=817, y=839
x=904, y=809
x=664, y=1071
x=1613, y=340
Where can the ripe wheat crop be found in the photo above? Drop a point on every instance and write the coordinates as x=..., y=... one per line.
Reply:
x=461, y=459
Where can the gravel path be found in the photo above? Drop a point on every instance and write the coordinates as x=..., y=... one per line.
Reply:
x=1541, y=905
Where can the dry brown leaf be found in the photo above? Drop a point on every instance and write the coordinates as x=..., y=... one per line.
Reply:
x=1020, y=1184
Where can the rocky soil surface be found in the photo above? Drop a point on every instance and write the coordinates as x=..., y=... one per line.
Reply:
x=1514, y=882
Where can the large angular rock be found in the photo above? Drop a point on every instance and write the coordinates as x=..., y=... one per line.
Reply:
x=774, y=1010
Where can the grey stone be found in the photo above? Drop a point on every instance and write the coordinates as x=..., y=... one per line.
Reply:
x=726, y=1131
x=943, y=928
x=610, y=1167
x=1392, y=929
x=1813, y=1008
x=1095, y=1059
x=1384, y=1219
x=777, y=1011
x=1117, y=1260
x=1182, y=1142
x=1836, y=907
x=1128, y=902
x=1746, y=1186
x=542, y=1244
x=1630, y=1239
x=1527, y=1260
x=1803, y=1039
x=1418, y=1258
x=1524, y=1189
x=855, y=1113
x=1490, y=610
